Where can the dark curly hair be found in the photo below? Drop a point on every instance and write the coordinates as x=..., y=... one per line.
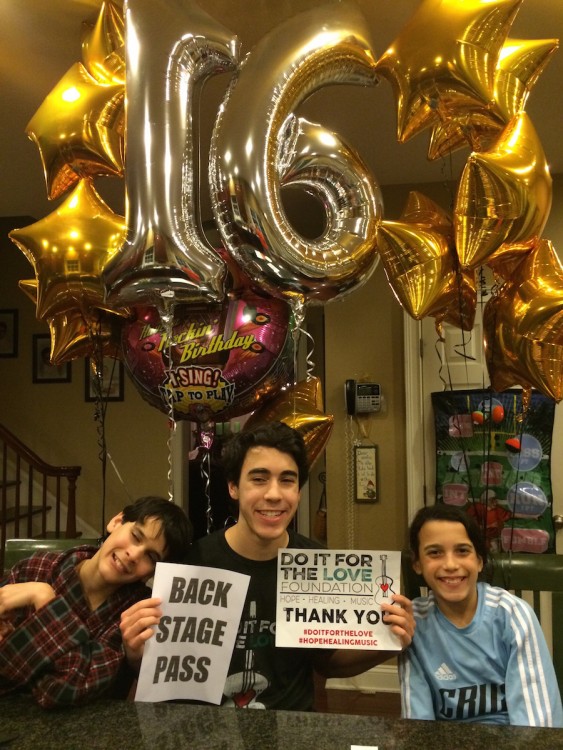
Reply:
x=271, y=435
x=175, y=525
x=443, y=512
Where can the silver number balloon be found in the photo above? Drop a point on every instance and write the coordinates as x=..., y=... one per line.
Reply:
x=259, y=146
x=171, y=45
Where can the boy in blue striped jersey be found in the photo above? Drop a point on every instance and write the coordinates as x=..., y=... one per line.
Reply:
x=478, y=653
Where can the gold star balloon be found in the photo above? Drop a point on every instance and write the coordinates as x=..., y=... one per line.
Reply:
x=29, y=287
x=68, y=250
x=444, y=60
x=75, y=335
x=523, y=326
x=300, y=406
x=421, y=265
x=521, y=62
x=103, y=47
x=78, y=130
x=504, y=197
x=538, y=299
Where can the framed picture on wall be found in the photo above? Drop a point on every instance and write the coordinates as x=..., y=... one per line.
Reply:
x=111, y=382
x=365, y=474
x=8, y=333
x=43, y=370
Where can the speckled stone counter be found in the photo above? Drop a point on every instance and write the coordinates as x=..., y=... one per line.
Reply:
x=163, y=726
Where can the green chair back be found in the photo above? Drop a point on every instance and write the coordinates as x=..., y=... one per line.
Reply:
x=520, y=573
x=18, y=549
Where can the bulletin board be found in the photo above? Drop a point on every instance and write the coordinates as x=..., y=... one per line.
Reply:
x=495, y=462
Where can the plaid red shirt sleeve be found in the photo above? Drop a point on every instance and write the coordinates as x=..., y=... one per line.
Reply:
x=63, y=652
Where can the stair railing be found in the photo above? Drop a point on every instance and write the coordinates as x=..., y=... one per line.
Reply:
x=33, y=493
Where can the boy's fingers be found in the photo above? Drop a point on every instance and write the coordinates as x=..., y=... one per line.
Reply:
x=140, y=605
x=147, y=608
x=131, y=627
x=399, y=616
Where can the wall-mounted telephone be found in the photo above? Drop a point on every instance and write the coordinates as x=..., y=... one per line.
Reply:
x=362, y=398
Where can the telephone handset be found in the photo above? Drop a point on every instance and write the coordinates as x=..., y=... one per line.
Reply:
x=362, y=398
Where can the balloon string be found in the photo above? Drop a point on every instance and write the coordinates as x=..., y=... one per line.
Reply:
x=486, y=448
x=466, y=338
x=438, y=348
x=299, y=334
x=351, y=443
x=167, y=315
x=169, y=446
x=465, y=457
x=296, y=334
x=309, y=362
x=521, y=418
x=96, y=367
x=483, y=294
x=447, y=164
x=462, y=349
x=205, y=470
x=298, y=310
x=101, y=404
x=112, y=462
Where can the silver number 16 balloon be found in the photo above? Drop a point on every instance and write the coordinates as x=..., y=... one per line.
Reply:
x=260, y=146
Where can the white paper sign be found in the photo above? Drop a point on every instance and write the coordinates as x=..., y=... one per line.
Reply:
x=332, y=598
x=188, y=657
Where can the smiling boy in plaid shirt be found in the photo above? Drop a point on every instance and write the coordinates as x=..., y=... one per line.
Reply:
x=59, y=612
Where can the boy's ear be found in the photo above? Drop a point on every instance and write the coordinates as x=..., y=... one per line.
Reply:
x=233, y=490
x=416, y=566
x=115, y=522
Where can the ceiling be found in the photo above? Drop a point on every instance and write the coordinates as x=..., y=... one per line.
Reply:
x=40, y=41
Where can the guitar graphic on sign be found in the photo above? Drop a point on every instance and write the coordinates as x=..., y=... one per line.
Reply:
x=384, y=583
x=242, y=689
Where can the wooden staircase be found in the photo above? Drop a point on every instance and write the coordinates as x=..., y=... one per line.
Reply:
x=36, y=499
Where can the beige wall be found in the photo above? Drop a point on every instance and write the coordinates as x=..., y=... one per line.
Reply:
x=363, y=338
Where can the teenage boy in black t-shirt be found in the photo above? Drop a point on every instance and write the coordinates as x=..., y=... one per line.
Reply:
x=265, y=469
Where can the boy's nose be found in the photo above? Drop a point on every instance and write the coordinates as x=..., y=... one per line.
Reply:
x=134, y=553
x=273, y=491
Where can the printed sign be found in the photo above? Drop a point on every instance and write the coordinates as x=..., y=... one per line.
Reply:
x=188, y=656
x=332, y=598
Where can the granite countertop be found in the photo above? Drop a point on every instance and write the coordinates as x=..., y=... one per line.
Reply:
x=117, y=724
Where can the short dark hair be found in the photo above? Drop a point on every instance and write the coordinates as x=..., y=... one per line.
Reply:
x=175, y=524
x=276, y=435
x=444, y=512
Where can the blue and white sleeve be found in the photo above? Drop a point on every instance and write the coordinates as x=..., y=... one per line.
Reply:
x=416, y=693
x=532, y=693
